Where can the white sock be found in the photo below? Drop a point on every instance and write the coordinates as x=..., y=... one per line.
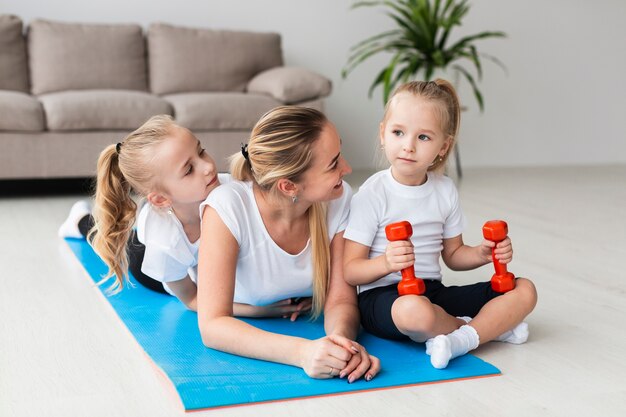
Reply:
x=69, y=228
x=429, y=342
x=446, y=347
x=517, y=336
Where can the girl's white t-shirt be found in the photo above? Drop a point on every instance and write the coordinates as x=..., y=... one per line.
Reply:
x=266, y=273
x=433, y=209
x=169, y=255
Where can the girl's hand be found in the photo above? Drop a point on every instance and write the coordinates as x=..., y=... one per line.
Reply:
x=503, y=252
x=302, y=305
x=284, y=308
x=399, y=255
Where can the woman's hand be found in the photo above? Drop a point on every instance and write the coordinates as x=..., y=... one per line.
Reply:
x=503, y=252
x=399, y=255
x=361, y=364
x=291, y=307
x=336, y=355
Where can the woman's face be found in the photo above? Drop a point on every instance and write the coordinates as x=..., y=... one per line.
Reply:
x=323, y=180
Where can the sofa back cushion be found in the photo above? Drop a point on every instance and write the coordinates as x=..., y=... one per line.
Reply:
x=13, y=61
x=69, y=56
x=186, y=60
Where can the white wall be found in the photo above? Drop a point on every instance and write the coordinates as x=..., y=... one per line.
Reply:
x=560, y=103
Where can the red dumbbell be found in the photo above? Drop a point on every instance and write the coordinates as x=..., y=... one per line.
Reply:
x=409, y=283
x=502, y=280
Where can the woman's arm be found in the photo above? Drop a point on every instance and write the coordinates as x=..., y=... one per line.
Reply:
x=461, y=257
x=341, y=316
x=186, y=291
x=220, y=330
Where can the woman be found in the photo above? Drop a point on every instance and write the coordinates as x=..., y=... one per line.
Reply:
x=276, y=232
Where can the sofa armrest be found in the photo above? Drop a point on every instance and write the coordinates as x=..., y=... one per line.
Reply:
x=290, y=84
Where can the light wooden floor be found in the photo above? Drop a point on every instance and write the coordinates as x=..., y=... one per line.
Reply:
x=63, y=353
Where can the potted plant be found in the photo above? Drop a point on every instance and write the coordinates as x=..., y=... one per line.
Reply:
x=420, y=44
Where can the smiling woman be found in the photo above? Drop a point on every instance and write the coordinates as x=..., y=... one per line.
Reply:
x=277, y=232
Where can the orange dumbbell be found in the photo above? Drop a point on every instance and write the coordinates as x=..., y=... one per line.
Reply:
x=502, y=280
x=409, y=284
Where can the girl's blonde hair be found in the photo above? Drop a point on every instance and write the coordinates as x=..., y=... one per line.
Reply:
x=443, y=94
x=124, y=168
x=280, y=146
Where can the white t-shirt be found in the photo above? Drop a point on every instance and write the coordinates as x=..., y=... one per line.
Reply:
x=169, y=256
x=265, y=272
x=432, y=208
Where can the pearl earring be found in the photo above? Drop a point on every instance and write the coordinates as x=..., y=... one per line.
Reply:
x=170, y=211
x=294, y=199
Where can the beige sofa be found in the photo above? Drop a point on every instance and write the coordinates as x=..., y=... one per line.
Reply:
x=68, y=90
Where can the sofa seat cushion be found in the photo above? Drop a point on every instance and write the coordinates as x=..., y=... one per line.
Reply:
x=220, y=111
x=186, y=60
x=13, y=61
x=72, y=56
x=20, y=112
x=100, y=109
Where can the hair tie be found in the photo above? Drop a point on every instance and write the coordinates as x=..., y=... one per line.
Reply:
x=118, y=147
x=244, y=152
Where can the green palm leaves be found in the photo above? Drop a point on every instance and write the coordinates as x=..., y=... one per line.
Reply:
x=419, y=44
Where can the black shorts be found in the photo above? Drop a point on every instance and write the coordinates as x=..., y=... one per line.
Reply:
x=375, y=304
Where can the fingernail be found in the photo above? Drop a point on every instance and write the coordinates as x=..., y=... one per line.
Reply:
x=342, y=375
x=368, y=377
x=354, y=349
x=350, y=380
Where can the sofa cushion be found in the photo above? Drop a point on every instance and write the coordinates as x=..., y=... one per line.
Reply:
x=220, y=111
x=20, y=112
x=188, y=60
x=68, y=56
x=100, y=109
x=290, y=84
x=13, y=61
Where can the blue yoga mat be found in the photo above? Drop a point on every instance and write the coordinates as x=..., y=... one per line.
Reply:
x=206, y=378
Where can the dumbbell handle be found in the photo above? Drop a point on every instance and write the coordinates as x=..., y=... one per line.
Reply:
x=409, y=284
x=503, y=280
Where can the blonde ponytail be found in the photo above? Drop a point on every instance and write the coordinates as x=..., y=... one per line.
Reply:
x=123, y=169
x=114, y=215
x=320, y=256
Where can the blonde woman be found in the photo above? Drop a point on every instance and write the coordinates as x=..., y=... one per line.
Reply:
x=276, y=232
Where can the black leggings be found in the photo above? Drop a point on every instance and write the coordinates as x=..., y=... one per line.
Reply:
x=135, y=251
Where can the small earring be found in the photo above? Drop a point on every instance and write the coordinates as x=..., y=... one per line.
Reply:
x=170, y=211
x=294, y=199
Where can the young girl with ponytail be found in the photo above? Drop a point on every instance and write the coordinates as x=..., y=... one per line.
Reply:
x=166, y=165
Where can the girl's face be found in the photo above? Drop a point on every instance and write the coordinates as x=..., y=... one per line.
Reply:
x=323, y=180
x=412, y=138
x=187, y=173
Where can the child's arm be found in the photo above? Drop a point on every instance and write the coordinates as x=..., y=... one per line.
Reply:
x=359, y=269
x=461, y=257
x=186, y=291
